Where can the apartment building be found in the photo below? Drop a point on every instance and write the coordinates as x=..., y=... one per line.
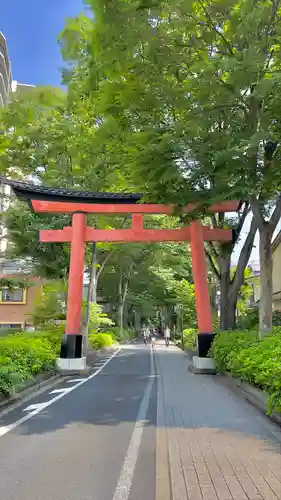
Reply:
x=15, y=303
x=5, y=72
x=9, y=89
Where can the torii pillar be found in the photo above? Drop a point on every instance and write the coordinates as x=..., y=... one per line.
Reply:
x=201, y=363
x=71, y=356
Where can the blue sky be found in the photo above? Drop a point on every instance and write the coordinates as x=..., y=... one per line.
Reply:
x=31, y=28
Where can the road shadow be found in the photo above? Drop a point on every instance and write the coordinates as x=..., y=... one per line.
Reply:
x=113, y=399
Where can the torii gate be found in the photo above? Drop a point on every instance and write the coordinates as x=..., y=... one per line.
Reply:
x=50, y=200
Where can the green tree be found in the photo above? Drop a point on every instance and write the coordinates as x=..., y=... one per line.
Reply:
x=188, y=99
x=49, y=260
x=50, y=304
x=219, y=255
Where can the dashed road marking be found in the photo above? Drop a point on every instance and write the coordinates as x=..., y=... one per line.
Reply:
x=38, y=406
x=75, y=380
x=58, y=391
x=126, y=477
x=4, y=429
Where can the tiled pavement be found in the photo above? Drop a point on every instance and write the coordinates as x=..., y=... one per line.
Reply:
x=211, y=443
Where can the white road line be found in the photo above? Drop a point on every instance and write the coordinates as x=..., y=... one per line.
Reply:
x=38, y=406
x=8, y=428
x=126, y=477
x=58, y=391
x=75, y=380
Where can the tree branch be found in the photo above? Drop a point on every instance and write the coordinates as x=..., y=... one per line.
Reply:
x=245, y=212
x=214, y=268
x=212, y=249
x=214, y=221
x=257, y=212
x=274, y=219
x=243, y=259
x=214, y=27
x=102, y=265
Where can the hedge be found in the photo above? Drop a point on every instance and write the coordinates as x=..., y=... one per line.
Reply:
x=190, y=339
x=22, y=356
x=99, y=340
x=252, y=359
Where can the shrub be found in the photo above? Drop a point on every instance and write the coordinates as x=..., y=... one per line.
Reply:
x=99, y=320
x=50, y=304
x=99, y=340
x=249, y=320
x=127, y=334
x=189, y=339
x=22, y=356
x=276, y=318
x=257, y=361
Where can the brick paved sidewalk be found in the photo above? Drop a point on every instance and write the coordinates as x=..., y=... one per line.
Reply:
x=218, y=445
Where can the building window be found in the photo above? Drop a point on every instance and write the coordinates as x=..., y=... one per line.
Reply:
x=13, y=296
x=14, y=326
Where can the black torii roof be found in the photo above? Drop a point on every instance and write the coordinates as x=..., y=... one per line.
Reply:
x=27, y=191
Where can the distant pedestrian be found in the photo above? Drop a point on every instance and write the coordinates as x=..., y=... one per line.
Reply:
x=167, y=335
x=152, y=337
x=145, y=335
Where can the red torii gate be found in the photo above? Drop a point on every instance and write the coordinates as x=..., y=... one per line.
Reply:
x=50, y=200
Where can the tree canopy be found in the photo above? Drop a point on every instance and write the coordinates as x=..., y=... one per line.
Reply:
x=187, y=96
x=179, y=100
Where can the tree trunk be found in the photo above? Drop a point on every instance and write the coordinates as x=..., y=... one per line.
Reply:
x=220, y=260
x=265, y=310
x=227, y=316
x=227, y=313
x=92, y=292
x=229, y=288
x=137, y=322
x=121, y=318
x=122, y=295
x=266, y=229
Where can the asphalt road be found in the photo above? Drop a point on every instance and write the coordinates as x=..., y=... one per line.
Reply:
x=88, y=440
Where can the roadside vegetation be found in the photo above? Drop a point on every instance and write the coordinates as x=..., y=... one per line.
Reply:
x=23, y=356
x=252, y=359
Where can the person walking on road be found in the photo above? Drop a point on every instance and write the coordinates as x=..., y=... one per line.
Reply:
x=152, y=337
x=167, y=335
x=145, y=335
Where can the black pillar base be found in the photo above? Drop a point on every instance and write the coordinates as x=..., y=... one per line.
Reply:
x=71, y=346
x=205, y=341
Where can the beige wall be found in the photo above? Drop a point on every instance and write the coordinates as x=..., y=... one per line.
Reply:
x=255, y=280
x=277, y=305
x=276, y=274
x=19, y=313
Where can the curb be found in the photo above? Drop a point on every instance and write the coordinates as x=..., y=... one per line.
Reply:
x=255, y=396
x=42, y=381
x=190, y=353
x=34, y=389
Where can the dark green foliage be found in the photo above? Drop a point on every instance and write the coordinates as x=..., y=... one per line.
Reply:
x=252, y=359
x=276, y=318
x=22, y=356
x=99, y=340
x=249, y=320
x=190, y=339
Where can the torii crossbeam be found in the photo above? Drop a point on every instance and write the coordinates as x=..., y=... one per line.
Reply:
x=51, y=200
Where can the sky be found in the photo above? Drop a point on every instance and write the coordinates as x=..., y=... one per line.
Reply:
x=31, y=28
